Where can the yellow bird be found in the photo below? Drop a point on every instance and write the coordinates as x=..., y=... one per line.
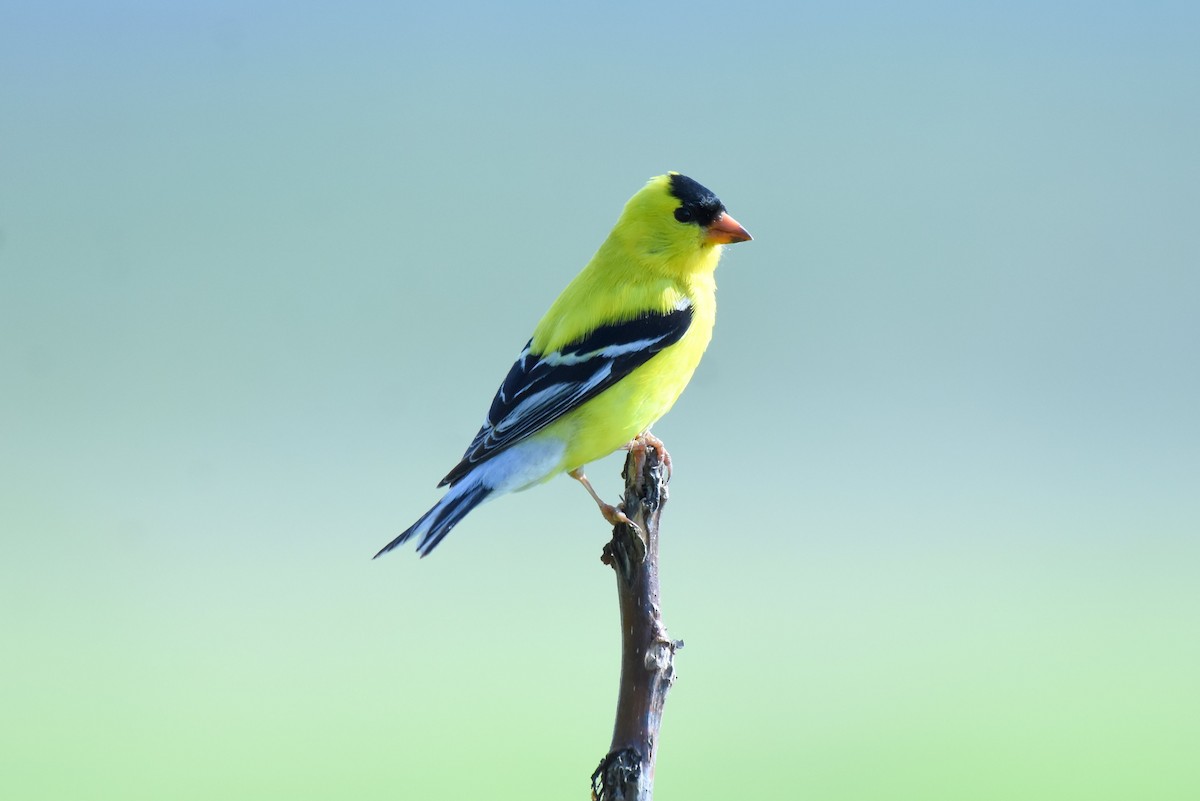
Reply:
x=610, y=357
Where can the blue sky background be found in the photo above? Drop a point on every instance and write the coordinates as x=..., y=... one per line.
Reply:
x=934, y=524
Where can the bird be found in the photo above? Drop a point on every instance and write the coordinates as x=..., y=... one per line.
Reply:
x=607, y=360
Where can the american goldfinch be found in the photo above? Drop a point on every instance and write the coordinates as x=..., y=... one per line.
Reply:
x=608, y=359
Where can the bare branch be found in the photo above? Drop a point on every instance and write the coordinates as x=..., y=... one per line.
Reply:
x=647, y=653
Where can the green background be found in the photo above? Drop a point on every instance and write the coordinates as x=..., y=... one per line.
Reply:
x=934, y=531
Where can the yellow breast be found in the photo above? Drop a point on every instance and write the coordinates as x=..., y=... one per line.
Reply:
x=631, y=406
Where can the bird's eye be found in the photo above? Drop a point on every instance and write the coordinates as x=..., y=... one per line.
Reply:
x=684, y=214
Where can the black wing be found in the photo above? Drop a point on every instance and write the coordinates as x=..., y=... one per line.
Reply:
x=540, y=389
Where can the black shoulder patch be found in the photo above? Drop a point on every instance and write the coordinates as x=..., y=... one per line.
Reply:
x=697, y=204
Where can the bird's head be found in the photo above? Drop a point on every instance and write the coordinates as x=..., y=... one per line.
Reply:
x=677, y=225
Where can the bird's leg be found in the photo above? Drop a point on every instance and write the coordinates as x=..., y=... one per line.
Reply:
x=646, y=438
x=611, y=513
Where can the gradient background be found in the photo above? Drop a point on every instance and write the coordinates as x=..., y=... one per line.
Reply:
x=935, y=524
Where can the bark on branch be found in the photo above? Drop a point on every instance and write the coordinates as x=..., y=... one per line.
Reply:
x=647, y=653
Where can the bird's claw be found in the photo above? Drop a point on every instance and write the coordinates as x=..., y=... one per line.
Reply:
x=638, y=446
x=615, y=516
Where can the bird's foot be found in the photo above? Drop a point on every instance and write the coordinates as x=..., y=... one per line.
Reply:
x=638, y=448
x=613, y=514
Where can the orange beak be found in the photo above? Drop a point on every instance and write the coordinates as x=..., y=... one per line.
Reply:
x=725, y=231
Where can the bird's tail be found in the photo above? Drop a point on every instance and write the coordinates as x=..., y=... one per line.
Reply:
x=445, y=514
